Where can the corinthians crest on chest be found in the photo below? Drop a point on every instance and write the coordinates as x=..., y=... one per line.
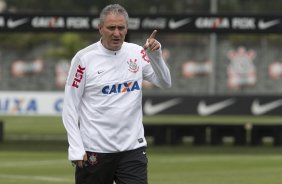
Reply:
x=132, y=65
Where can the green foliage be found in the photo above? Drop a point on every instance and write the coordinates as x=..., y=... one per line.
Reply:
x=59, y=45
x=68, y=45
x=24, y=41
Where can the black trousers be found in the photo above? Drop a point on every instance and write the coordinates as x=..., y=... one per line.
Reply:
x=128, y=167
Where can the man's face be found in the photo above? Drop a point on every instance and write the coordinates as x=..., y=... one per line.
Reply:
x=113, y=31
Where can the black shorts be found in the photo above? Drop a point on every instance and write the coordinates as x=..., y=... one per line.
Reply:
x=128, y=167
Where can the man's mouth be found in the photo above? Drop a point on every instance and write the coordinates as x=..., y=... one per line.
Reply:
x=116, y=40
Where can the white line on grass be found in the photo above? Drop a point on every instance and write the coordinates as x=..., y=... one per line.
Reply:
x=213, y=158
x=17, y=163
x=36, y=137
x=37, y=178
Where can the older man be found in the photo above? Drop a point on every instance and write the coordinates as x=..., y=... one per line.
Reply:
x=102, y=110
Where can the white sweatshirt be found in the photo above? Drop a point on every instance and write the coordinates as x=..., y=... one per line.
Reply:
x=102, y=109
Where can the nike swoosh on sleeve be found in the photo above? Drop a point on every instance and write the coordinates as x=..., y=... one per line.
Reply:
x=204, y=109
x=151, y=109
x=258, y=109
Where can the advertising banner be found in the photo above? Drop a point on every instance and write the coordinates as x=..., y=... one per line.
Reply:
x=213, y=105
x=51, y=103
x=31, y=103
x=200, y=23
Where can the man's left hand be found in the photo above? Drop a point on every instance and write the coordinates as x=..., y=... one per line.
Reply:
x=151, y=43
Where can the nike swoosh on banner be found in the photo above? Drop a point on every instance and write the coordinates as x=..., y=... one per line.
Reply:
x=258, y=109
x=204, y=109
x=176, y=24
x=15, y=23
x=264, y=25
x=151, y=109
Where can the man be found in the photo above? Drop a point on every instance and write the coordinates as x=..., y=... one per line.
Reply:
x=102, y=110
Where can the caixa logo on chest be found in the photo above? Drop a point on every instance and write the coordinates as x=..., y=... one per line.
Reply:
x=121, y=88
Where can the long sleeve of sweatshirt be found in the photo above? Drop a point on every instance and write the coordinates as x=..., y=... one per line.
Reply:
x=161, y=75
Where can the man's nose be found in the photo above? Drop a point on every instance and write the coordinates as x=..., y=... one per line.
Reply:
x=116, y=32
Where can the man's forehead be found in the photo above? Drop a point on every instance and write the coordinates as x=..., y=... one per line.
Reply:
x=113, y=18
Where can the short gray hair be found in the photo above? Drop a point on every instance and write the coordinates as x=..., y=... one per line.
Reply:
x=115, y=9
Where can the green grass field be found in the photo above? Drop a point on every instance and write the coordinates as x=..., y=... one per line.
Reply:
x=35, y=151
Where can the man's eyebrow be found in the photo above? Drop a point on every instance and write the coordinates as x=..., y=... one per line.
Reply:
x=115, y=26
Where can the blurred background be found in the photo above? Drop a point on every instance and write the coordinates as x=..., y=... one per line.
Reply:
x=201, y=64
x=226, y=64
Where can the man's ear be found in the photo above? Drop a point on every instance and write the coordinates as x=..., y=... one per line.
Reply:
x=100, y=28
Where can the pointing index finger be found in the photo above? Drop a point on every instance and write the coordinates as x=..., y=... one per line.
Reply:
x=153, y=34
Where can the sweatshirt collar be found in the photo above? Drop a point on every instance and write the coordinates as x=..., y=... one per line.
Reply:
x=107, y=51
